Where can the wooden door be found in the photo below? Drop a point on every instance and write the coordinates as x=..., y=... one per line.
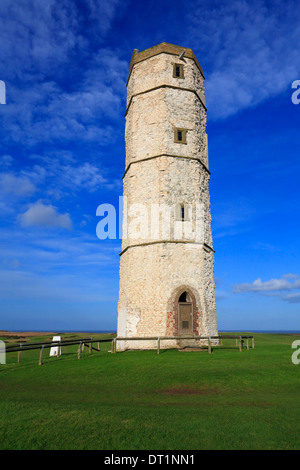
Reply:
x=185, y=323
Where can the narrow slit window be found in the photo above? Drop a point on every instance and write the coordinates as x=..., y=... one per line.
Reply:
x=180, y=136
x=178, y=71
x=182, y=212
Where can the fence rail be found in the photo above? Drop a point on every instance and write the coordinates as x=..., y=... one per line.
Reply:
x=50, y=344
x=82, y=342
x=239, y=340
x=88, y=342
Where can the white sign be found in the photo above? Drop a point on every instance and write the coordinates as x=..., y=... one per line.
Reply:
x=55, y=350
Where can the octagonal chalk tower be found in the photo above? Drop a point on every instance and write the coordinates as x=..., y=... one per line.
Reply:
x=167, y=261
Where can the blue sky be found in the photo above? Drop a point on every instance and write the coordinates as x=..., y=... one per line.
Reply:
x=62, y=153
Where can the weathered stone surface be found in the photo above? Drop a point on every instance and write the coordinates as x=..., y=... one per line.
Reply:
x=164, y=256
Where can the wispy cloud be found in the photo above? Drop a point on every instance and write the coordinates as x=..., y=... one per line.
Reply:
x=274, y=287
x=42, y=38
x=252, y=48
x=231, y=218
x=50, y=113
x=17, y=284
x=68, y=267
x=48, y=177
x=44, y=251
x=5, y=161
x=62, y=82
x=66, y=174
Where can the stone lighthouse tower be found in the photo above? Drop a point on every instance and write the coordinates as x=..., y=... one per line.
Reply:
x=167, y=259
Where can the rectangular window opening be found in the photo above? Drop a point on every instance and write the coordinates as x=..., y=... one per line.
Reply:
x=178, y=71
x=180, y=136
x=182, y=212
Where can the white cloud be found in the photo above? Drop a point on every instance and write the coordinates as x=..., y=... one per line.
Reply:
x=287, y=282
x=41, y=215
x=274, y=287
x=16, y=185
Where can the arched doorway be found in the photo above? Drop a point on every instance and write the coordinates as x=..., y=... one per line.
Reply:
x=185, y=314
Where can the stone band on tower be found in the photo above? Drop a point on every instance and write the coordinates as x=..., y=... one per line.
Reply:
x=167, y=261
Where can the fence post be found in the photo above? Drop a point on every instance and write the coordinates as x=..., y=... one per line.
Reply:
x=253, y=342
x=19, y=354
x=240, y=344
x=58, y=349
x=114, y=346
x=41, y=356
x=247, y=344
x=90, y=351
x=79, y=350
x=158, y=345
x=209, y=345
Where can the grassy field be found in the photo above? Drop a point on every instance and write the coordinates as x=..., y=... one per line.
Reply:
x=141, y=400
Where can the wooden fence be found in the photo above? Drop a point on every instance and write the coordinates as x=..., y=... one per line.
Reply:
x=239, y=340
x=88, y=342
x=82, y=342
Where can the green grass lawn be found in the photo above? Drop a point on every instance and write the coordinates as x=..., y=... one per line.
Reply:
x=141, y=400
